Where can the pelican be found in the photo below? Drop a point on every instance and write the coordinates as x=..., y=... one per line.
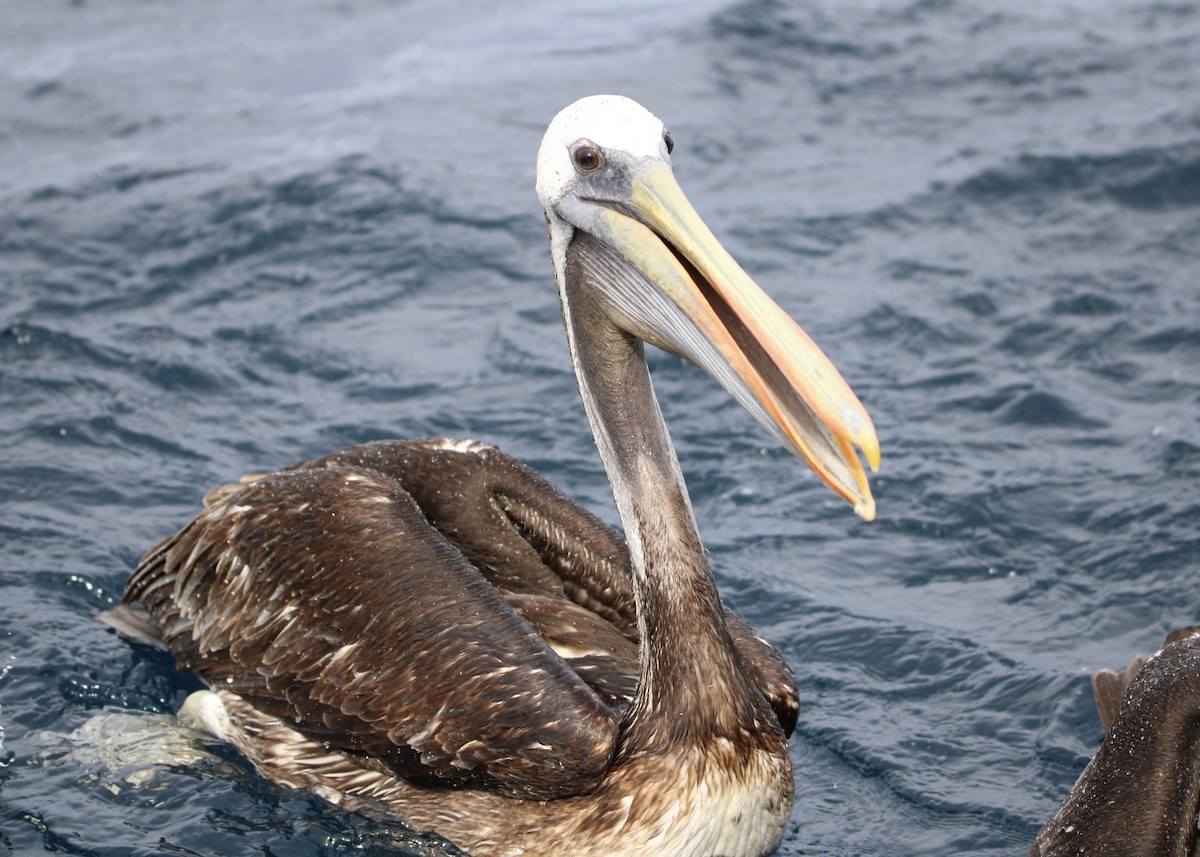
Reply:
x=430, y=630
x=1139, y=796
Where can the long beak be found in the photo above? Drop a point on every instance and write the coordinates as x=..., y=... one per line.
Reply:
x=718, y=318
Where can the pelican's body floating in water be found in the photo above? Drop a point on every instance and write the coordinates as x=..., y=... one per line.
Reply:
x=430, y=629
x=1139, y=796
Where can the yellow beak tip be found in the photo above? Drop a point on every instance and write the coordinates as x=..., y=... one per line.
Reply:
x=866, y=509
x=869, y=444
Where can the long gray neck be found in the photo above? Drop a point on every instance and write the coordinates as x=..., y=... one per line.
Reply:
x=692, y=684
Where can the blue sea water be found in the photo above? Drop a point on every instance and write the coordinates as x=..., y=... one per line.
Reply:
x=236, y=235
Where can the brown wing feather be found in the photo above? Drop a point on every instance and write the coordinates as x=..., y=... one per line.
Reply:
x=376, y=636
x=433, y=604
x=529, y=538
x=1109, y=686
x=518, y=529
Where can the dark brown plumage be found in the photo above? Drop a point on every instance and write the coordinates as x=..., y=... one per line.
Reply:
x=431, y=555
x=1140, y=794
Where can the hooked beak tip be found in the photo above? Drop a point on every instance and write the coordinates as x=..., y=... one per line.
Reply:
x=865, y=510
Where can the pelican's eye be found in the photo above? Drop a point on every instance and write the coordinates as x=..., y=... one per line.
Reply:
x=587, y=158
x=670, y=142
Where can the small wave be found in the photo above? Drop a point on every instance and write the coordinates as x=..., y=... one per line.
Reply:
x=1153, y=179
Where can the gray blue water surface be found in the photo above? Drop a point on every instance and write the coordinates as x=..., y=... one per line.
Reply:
x=236, y=235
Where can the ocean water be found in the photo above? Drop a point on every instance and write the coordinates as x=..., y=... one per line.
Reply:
x=237, y=235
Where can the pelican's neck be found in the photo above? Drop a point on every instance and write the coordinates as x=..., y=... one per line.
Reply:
x=691, y=683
